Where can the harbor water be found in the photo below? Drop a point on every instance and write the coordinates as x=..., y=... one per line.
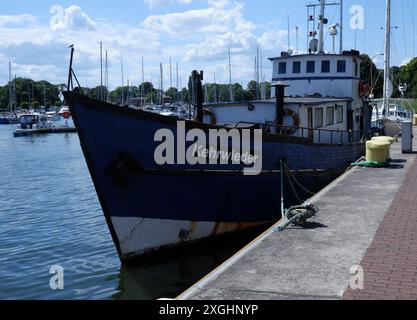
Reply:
x=50, y=216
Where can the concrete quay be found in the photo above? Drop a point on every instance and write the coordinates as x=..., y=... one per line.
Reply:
x=368, y=218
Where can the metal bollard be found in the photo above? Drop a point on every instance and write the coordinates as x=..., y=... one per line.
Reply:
x=407, y=137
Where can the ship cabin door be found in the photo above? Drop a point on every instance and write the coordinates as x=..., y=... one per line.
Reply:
x=350, y=119
x=310, y=124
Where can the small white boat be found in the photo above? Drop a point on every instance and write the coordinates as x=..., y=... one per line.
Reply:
x=53, y=116
x=64, y=112
x=36, y=123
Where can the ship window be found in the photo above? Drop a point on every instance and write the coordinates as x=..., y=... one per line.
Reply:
x=341, y=66
x=318, y=118
x=296, y=67
x=339, y=114
x=330, y=116
x=325, y=66
x=282, y=68
x=311, y=66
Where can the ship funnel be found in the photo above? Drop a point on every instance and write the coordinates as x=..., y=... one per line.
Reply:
x=279, y=102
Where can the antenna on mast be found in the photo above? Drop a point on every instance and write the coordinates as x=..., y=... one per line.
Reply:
x=289, y=37
x=318, y=45
x=296, y=46
x=341, y=28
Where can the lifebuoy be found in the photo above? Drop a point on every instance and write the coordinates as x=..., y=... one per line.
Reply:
x=296, y=121
x=66, y=115
x=210, y=113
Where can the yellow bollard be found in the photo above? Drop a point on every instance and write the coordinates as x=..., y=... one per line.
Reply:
x=376, y=151
x=415, y=120
x=390, y=140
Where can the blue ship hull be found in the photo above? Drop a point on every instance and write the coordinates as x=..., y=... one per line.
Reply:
x=4, y=121
x=149, y=207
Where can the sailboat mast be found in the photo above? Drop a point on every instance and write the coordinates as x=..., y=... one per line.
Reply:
x=215, y=87
x=178, y=88
x=230, y=79
x=142, y=91
x=123, y=82
x=14, y=94
x=257, y=72
x=44, y=95
x=170, y=73
x=101, y=71
x=10, y=87
x=107, y=78
x=162, y=84
x=387, y=55
x=128, y=91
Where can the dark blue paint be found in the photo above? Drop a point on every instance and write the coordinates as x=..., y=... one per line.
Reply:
x=106, y=131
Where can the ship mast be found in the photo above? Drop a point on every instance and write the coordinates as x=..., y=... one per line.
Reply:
x=387, y=56
x=341, y=27
x=322, y=21
x=321, y=25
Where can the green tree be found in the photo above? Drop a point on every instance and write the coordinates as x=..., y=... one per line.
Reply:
x=151, y=97
x=184, y=97
x=173, y=93
x=24, y=105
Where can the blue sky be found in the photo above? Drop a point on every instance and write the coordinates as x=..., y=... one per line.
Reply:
x=196, y=34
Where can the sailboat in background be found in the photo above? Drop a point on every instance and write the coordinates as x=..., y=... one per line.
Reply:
x=10, y=117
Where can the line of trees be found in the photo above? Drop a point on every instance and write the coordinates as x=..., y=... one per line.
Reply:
x=36, y=93
x=212, y=92
x=401, y=75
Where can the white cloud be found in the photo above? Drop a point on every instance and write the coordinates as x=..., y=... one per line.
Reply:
x=16, y=19
x=212, y=30
x=196, y=39
x=72, y=18
x=406, y=61
x=273, y=39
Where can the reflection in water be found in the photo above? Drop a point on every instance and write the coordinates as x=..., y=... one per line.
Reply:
x=169, y=277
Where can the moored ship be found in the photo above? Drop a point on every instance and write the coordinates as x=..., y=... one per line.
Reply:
x=198, y=187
